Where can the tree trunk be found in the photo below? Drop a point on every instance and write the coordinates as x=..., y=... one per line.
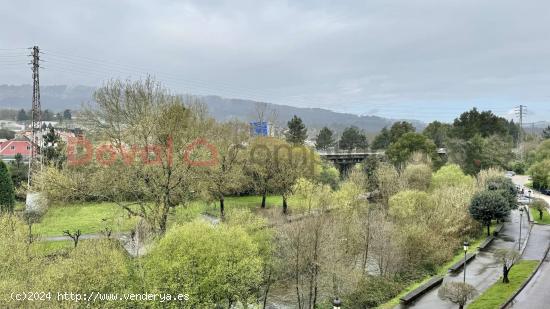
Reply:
x=505, y=271
x=164, y=219
x=540, y=215
x=488, y=229
x=285, y=205
x=267, y=286
x=460, y=306
x=222, y=208
x=264, y=194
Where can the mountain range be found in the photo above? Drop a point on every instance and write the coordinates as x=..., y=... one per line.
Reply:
x=61, y=97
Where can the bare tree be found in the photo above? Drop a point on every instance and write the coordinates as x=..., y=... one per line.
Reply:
x=75, y=237
x=507, y=257
x=457, y=292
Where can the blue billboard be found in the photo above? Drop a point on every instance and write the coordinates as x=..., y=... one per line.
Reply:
x=259, y=128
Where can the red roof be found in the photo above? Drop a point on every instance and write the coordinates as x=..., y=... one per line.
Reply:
x=13, y=147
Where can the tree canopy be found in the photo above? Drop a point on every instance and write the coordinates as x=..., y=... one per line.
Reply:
x=7, y=191
x=400, y=151
x=324, y=139
x=297, y=131
x=487, y=206
x=353, y=138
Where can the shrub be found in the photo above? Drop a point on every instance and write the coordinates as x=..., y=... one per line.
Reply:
x=371, y=292
x=212, y=264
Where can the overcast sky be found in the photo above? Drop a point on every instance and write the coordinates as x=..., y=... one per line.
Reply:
x=401, y=59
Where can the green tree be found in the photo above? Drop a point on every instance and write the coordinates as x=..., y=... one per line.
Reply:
x=541, y=206
x=7, y=134
x=149, y=129
x=7, y=191
x=400, y=128
x=297, y=131
x=292, y=163
x=262, y=163
x=540, y=174
x=47, y=115
x=487, y=206
x=485, y=123
x=410, y=205
x=324, y=139
x=418, y=176
x=546, y=133
x=53, y=149
x=438, y=132
x=400, y=151
x=19, y=170
x=479, y=153
x=67, y=115
x=22, y=115
x=506, y=187
x=451, y=175
x=382, y=140
x=329, y=175
x=214, y=265
x=353, y=138
x=227, y=175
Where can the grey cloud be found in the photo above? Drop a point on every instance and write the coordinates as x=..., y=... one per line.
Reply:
x=353, y=56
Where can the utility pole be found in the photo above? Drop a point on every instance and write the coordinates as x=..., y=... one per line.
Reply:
x=35, y=160
x=520, y=111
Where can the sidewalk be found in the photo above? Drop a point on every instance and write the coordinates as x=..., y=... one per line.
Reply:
x=483, y=271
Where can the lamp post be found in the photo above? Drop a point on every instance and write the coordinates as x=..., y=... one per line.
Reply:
x=336, y=303
x=520, y=220
x=466, y=246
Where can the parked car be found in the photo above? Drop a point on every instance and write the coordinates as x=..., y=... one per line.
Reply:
x=545, y=191
x=510, y=174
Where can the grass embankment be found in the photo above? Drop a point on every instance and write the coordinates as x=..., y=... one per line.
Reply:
x=89, y=218
x=92, y=218
x=535, y=216
x=496, y=295
x=441, y=270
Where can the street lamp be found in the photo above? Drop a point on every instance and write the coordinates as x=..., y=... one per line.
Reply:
x=466, y=246
x=336, y=303
x=520, y=220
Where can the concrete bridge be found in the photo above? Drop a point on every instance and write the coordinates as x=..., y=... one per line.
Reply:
x=344, y=160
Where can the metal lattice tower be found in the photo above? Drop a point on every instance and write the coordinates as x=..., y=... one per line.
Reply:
x=35, y=160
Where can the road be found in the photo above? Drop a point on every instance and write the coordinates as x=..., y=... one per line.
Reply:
x=482, y=271
x=535, y=294
x=522, y=179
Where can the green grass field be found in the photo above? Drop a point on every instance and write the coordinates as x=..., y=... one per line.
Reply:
x=89, y=218
x=535, y=216
x=93, y=218
x=498, y=293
